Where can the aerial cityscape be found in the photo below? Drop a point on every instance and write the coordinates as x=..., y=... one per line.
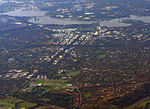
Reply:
x=74, y=54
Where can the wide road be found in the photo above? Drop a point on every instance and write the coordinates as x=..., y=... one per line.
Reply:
x=80, y=96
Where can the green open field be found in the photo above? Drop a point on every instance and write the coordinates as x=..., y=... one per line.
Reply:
x=52, y=84
x=101, y=44
x=1, y=38
x=73, y=73
x=100, y=56
x=87, y=95
x=26, y=105
x=6, y=34
x=49, y=107
x=40, y=81
x=30, y=55
x=11, y=103
x=8, y=103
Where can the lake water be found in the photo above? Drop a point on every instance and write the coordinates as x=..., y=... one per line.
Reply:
x=39, y=17
x=114, y=23
x=26, y=13
x=145, y=19
x=49, y=20
x=119, y=22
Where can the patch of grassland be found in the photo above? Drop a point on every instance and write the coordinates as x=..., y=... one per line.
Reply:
x=51, y=84
x=73, y=73
x=1, y=38
x=87, y=95
x=48, y=107
x=26, y=105
x=6, y=34
x=40, y=81
x=101, y=56
x=9, y=103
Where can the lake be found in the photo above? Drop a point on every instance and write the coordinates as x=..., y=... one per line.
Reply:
x=43, y=19
x=39, y=17
x=119, y=22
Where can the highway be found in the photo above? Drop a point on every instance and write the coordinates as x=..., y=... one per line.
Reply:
x=79, y=97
